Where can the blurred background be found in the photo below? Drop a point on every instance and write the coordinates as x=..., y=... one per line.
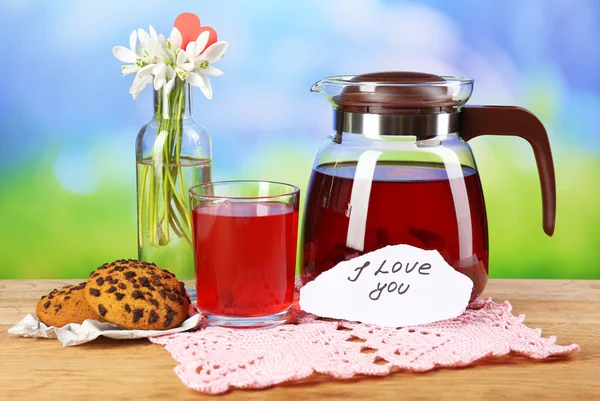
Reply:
x=68, y=123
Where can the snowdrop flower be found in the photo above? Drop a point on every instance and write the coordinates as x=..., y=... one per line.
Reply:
x=183, y=67
x=128, y=55
x=149, y=52
x=165, y=72
x=161, y=60
x=153, y=50
x=172, y=44
x=201, y=59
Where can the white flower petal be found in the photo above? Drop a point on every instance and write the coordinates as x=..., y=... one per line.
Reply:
x=155, y=51
x=134, y=88
x=137, y=82
x=175, y=38
x=191, y=50
x=140, y=51
x=159, y=82
x=145, y=39
x=202, y=82
x=159, y=45
x=170, y=72
x=133, y=41
x=188, y=66
x=162, y=53
x=201, y=42
x=207, y=88
x=129, y=69
x=212, y=71
x=159, y=69
x=138, y=85
x=153, y=33
x=124, y=54
x=195, y=79
x=162, y=40
x=181, y=57
x=169, y=85
x=215, y=51
x=146, y=70
x=157, y=154
x=166, y=108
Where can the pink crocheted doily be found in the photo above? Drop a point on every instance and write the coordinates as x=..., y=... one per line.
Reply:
x=214, y=359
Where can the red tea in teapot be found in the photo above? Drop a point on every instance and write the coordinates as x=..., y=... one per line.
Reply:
x=409, y=203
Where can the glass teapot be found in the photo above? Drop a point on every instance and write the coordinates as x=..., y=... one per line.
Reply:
x=397, y=169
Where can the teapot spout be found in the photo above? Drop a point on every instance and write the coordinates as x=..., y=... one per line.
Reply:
x=318, y=86
x=332, y=87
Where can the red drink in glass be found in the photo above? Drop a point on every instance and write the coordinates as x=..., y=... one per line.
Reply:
x=245, y=257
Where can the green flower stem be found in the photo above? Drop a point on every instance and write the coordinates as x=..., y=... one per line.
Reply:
x=152, y=209
x=174, y=223
x=179, y=203
x=179, y=122
x=173, y=214
x=166, y=202
x=141, y=200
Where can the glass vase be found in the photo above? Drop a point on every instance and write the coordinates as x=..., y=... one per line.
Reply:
x=173, y=153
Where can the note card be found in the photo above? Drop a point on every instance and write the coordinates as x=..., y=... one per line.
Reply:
x=395, y=286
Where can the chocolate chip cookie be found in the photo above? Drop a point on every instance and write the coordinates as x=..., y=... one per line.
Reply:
x=64, y=306
x=137, y=295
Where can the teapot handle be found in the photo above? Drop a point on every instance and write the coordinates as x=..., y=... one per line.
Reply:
x=516, y=121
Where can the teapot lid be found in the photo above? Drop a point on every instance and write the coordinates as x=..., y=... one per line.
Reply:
x=396, y=93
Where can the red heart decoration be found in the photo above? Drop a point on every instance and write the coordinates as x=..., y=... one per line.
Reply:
x=188, y=25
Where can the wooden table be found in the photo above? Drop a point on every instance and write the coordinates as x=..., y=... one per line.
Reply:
x=110, y=370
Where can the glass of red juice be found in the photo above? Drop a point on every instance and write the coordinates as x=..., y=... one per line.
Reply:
x=245, y=238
